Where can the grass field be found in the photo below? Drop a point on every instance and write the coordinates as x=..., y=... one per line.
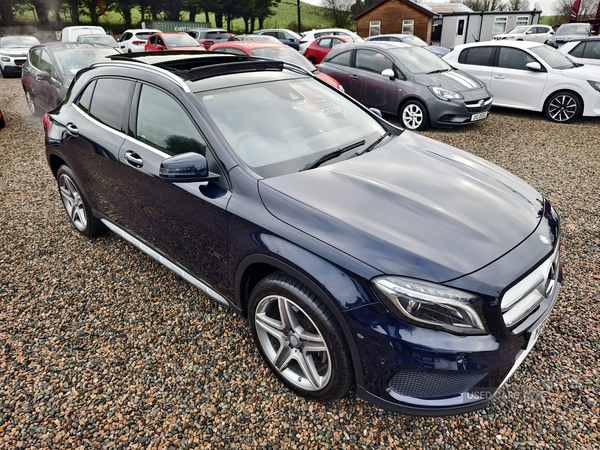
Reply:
x=286, y=16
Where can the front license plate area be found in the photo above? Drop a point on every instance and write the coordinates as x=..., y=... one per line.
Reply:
x=479, y=116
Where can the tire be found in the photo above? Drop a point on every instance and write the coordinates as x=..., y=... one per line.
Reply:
x=35, y=109
x=413, y=116
x=4, y=74
x=312, y=60
x=563, y=107
x=287, y=319
x=76, y=204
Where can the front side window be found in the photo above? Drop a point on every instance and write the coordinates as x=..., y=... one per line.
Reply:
x=109, y=101
x=45, y=63
x=513, y=58
x=408, y=26
x=163, y=124
x=372, y=61
x=300, y=120
x=499, y=25
x=374, y=28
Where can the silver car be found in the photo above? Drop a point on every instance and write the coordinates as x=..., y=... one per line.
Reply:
x=13, y=53
x=408, y=81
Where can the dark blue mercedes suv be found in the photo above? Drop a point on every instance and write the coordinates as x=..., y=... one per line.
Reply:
x=361, y=254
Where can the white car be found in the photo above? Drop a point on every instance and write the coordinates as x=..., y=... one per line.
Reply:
x=585, y=51
x=532, y=76
x=13, y=53
x=310, y=36
x=70, y=34
x=135, y=40
x=536, y=33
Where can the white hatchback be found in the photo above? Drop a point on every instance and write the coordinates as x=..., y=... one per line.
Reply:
x=532, y=76
x=135, y=40
x=585, y=51
x=535, y=33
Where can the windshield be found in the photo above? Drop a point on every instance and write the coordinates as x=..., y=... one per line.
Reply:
x=180, y=40
x=553, y=57
x=419, y=60
x=98, y=39
x=518, y=30
x=279, y=127
x=574, y=28
x=414, y=40
x=18, y=41
x=285, y=53
x=70, y=61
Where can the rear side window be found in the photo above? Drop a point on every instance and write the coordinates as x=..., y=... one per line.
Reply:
x=109, y=100
x=326, y=42
x=477, y=56
x=343, y=59
x=163, y=123
x=591, y=50
x=85, y=99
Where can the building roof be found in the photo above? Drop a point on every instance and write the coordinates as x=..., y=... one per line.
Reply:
x=444, y=8
x=418, y=6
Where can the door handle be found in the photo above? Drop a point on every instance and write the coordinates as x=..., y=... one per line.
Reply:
x=354, y=77
x=72, y=129
x=134, y=159
x=499, y=77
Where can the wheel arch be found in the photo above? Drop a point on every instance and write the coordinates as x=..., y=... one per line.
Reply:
x=54, y=162
x=254, y=268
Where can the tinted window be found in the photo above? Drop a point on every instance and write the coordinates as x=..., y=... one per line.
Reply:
x=235, y=51
x=326, y=42
x=343, y=59
x=109, y=101
x=513, y=58
x=45, y=62
x=163, y=123
x=85, y=99
x=592, y=50
x=577, y=51
x=477, y=56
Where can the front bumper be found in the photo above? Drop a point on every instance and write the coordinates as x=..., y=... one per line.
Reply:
x=14, y=65
x=424, y=372
x=463, y=112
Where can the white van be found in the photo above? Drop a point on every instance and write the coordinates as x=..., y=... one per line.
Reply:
x=69, y=34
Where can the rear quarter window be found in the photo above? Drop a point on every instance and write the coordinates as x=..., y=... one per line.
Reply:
x=343, y=59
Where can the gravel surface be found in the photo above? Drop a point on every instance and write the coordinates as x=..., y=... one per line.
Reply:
x=100, y=347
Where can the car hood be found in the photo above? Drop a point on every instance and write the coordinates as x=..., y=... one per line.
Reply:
x=413, y=207
x=586, y=72
x=454, y=80
x=14, y=51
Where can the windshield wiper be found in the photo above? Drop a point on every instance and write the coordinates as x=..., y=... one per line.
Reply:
x=375, y=144
x=438, y=71
x=332, y=155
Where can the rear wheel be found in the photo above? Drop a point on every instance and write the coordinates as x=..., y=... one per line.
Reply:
x=76, y=204
x=300, y=339
x=563, y=107
x=413, y=115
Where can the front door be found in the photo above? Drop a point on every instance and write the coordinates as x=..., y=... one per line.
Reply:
x=459, y=35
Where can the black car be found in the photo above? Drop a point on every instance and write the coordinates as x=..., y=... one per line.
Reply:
x=361, y=254
x=568, y=32
x=50, y=68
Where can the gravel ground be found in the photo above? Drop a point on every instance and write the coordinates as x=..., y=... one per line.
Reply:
x=100, y=347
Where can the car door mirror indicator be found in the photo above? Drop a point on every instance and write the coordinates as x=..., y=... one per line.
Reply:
x=186, y=167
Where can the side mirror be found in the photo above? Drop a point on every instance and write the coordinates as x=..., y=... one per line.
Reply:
x=552, y=32
x=186, y=167
x=376, y=112
x=389, y=73
x=535, y=66
x=43, y=76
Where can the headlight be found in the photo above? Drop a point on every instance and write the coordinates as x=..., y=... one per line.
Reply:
x=595, y=85
x=5, y=59
x=431, y=305
x=444, y=94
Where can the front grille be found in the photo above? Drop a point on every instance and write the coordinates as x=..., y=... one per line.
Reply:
x=20, y=62
x=479, y=106
x=431, y=384
x=524, y=297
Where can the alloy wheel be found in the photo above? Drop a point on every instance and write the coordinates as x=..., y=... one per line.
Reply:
x=412, y=116
x=562, y=108
x=73, y=202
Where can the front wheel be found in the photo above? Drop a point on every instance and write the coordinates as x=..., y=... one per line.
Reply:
x=76, y=204
x=413, y=115
x=300, y=339
x=563, y=107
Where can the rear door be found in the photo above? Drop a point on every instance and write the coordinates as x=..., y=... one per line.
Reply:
x=340, y=68
x=478, y=61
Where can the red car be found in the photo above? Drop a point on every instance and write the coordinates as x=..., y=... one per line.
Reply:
x=273, y=50
x=319, y=48
x=172, y=41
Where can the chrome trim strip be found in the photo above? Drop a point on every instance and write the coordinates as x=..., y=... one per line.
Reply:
x=166, y=262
